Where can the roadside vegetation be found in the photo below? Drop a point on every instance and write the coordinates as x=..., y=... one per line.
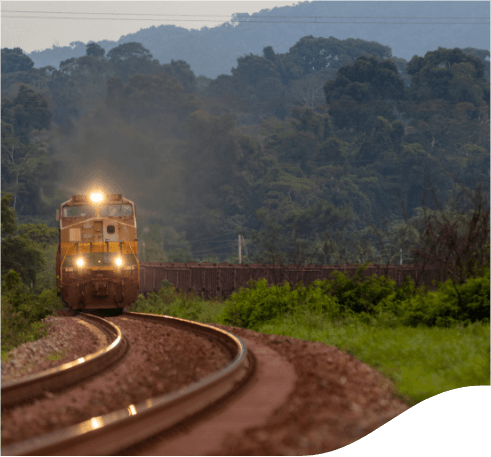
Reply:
x=426, y=342
x=22, y=312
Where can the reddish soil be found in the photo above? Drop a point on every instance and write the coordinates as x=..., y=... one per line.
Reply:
x=160, y=360
x=336, y=400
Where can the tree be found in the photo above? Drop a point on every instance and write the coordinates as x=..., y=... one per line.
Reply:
x=15, y=60
x=459, y=245
x=448, y=74
x=19, y=252
x=315, y=54
x=93, y=49
x=483, y=54
x=268, y=53
x=131, y=58
x=384, y=139
x=39, y=233
x=361, y=92
x=28, y=111
x=180, y=70
x=8, y=216
x=159, y=101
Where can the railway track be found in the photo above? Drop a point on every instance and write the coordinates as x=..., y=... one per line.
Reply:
x=117, y=430
x=32, y=386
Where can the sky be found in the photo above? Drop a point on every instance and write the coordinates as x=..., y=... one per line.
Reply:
x=109, y=20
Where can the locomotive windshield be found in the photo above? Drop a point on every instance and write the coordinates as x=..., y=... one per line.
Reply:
x=116, y=210
x=78, y=211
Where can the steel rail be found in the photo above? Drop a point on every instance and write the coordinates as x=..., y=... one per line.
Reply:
x=34, y=385
x=107, y=434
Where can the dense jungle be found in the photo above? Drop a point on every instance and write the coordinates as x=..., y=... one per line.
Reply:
x=333, y=152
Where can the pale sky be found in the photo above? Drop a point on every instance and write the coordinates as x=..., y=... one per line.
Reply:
x=42, y=32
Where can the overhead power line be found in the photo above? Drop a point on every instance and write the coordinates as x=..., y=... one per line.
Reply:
x=216, y=247
x=252, y=17
x=224, y=233
x=250, y=20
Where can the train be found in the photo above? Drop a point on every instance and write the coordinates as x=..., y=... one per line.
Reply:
x=97, y=258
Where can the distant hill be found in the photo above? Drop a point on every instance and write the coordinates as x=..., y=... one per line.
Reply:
x=214, y=51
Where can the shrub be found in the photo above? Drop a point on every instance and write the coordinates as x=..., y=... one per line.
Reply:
x=450, y=304
x=22, y=312
x=360, y=294
x=259, y=303
x=167, y=302
x=374, y=300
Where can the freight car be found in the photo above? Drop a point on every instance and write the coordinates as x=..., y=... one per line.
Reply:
x=96, y=262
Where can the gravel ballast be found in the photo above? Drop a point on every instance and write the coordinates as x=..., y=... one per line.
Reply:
x=160, y=359
x=67, y=340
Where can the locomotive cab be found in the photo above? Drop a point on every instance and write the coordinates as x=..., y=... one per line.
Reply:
x=96, y=261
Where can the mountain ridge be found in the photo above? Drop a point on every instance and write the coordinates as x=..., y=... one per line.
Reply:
x=214, y=51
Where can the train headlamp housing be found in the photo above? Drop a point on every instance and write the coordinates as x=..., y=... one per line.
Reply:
x=80, y=262
x=118, y=261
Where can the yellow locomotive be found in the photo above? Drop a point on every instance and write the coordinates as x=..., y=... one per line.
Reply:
x=96, y=262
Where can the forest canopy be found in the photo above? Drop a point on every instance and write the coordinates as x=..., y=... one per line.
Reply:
x=326, y=145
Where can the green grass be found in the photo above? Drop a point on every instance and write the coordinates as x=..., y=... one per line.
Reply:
x=55, y=356
x=22, y=332
x=421, y=360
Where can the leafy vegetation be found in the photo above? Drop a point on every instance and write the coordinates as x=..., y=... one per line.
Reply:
x=422, y=340
x=22, y=312
x=370, y=300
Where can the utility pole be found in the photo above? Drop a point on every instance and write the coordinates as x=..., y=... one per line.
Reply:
x=245, y=245
x=240, y=252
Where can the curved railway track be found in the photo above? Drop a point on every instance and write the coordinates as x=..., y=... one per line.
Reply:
x=111, y=432
x=32, y=386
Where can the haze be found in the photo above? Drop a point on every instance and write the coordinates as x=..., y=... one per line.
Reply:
x=43, y=30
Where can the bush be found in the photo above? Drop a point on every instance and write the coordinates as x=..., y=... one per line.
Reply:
x=22, y=312
x=167, y=302
x=374, y=300
x=360, y=294
x=451, y=304
x=251, y=307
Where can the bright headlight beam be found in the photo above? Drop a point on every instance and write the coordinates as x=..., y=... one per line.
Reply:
x=119, y=261
x=96, y=197
x=80, y=262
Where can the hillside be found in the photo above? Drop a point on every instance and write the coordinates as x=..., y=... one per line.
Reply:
x=214, y=51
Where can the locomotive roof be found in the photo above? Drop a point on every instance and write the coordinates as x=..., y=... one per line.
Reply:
x=85, y=199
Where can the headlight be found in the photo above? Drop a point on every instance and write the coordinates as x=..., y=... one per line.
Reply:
x=118, y=261
x=96, y=197
x=80, y=262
